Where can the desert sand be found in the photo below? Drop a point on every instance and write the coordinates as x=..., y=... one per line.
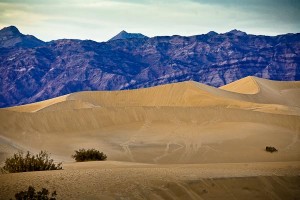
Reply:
x=177, y=141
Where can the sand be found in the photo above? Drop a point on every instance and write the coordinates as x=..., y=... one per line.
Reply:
x=180, y=129
x=121, y=180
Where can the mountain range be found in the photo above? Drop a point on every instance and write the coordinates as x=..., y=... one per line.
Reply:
x=33, y=70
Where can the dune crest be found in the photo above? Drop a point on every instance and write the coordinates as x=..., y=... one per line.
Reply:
x=247, y=85
x=33, y=107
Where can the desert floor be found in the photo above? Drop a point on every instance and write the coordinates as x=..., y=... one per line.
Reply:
x=122, y=180
x=177, y=141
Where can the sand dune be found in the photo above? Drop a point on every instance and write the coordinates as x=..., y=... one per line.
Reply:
x=181, y=123
x=190, y=121
x=248, y=90
x=246, y=85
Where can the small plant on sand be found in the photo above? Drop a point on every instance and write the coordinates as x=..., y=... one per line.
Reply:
x=21, y=162
x=271, y=149
x=32, y=194
x=88, y=155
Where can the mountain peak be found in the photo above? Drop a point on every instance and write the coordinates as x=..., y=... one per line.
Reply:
x=10, y=31
x=212, y=33
x=237, y=32
x=11, y=37
x=123, y=32
x=125, y=35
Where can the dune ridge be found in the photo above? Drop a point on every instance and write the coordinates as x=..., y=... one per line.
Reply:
x=246, y=85
x=189, y=93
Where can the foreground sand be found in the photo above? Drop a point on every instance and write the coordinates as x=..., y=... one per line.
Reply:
x=182, y=133
x=120, y=180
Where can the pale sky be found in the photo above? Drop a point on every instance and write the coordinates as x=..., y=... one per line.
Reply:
x=100, y=20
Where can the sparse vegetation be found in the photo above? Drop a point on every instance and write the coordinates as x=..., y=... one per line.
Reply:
x=88, y=155
x=32, y=194
x=21, y=162
x=271, y=149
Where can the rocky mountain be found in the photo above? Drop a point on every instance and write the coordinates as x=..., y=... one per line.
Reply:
x=124, y=35
x=32, y=70
x=10, y=37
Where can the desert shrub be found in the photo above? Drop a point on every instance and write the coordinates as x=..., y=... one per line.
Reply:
x=88, y=155
x=32, y=194
x=21, y=162
x=271, y=149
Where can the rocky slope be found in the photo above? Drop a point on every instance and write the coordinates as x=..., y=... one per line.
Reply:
x=32, y=70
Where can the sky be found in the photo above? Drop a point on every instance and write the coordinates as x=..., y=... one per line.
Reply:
x=100, y=20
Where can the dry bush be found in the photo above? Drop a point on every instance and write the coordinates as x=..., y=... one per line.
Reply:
x=21, y=162
x=32, y=194
x=88, y=155
x=271, y=149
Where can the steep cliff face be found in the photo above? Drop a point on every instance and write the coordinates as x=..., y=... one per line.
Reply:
x=32, y=70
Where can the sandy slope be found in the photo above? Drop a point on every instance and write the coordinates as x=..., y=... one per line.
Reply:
x=181, y=123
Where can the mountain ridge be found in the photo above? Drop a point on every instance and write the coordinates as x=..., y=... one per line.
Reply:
x=43, y=70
